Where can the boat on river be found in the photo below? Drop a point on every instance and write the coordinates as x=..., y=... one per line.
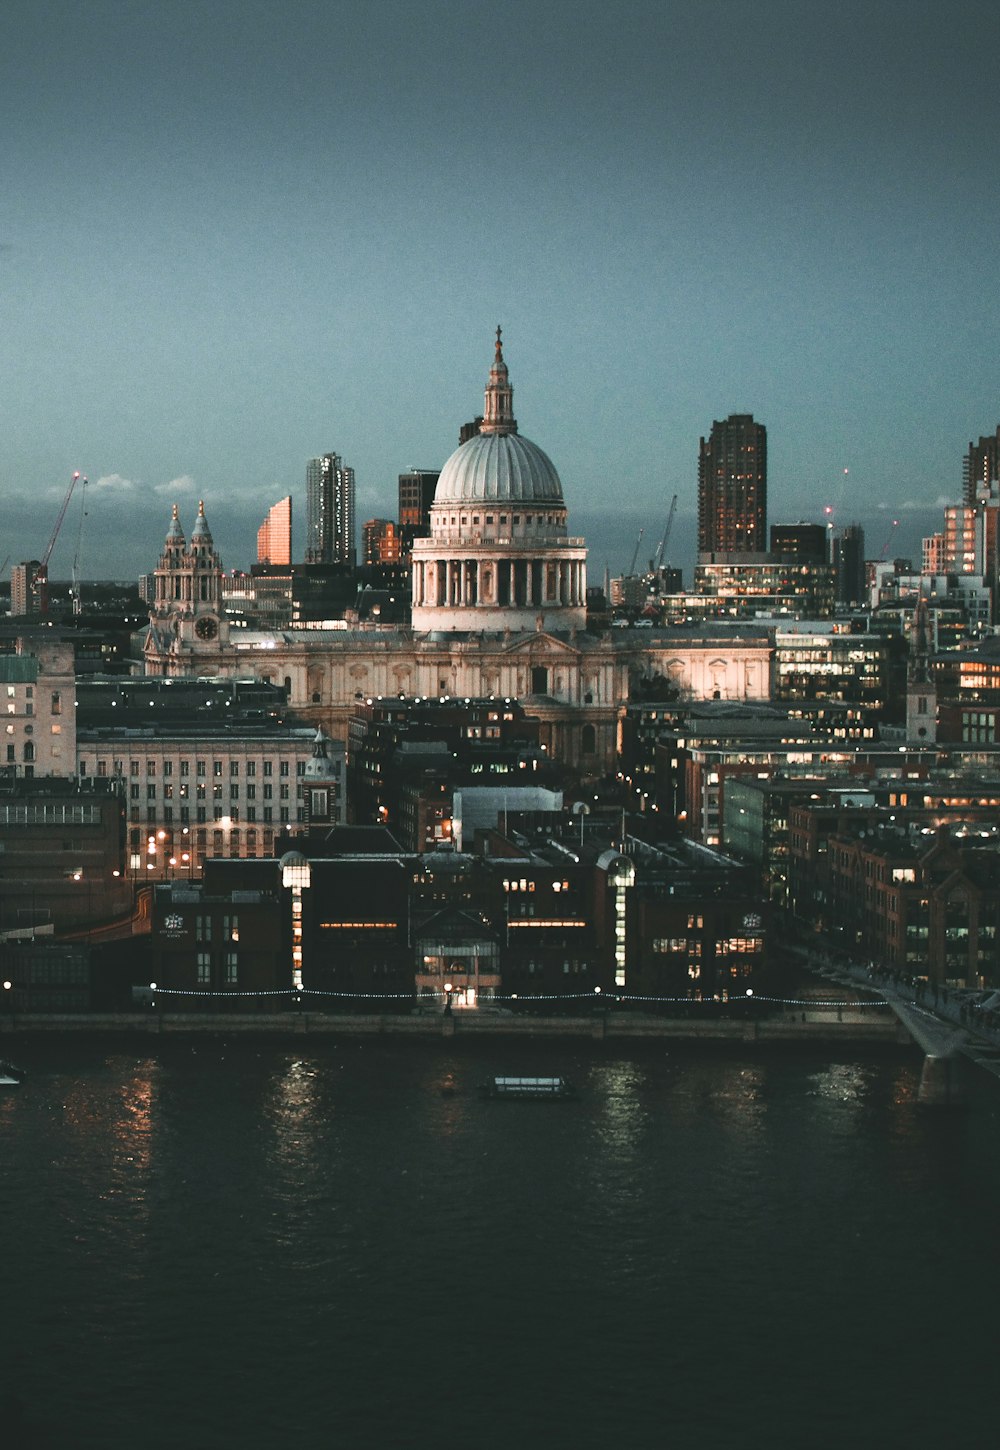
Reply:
x=10, y=1076
x=534, y=1088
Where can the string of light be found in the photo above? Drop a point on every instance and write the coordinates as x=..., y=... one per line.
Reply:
x=612, y=998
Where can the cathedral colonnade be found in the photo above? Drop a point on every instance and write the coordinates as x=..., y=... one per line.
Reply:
x=498, y=581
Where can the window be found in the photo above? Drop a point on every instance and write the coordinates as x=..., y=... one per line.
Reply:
x=234, y=769
x=56, y=702
x=204, y=969
x=268, y=767
x=200, y=769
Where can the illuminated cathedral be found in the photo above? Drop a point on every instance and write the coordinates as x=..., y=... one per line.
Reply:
x=499, y=593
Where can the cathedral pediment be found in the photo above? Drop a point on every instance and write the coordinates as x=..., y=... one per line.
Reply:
x=540, y=645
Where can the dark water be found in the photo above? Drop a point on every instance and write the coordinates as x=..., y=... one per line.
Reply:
x=251, y=1244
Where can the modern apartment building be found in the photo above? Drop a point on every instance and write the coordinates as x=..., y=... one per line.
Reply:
x=732, y=487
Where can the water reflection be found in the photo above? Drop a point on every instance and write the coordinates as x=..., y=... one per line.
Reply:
x=842, y=1082
x=299, y=1121
x=738, y=1095
x=293, y=1114
x=624, y=1115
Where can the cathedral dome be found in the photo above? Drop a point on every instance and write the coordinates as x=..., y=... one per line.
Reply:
x=499, y=468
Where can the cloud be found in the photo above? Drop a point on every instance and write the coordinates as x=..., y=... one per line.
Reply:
x=920, y=505
x=113, y=483
x=177, y=486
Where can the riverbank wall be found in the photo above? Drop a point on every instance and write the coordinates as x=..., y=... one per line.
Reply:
x=844, y=1024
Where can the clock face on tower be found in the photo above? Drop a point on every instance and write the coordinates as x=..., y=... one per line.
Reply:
x=206, y=628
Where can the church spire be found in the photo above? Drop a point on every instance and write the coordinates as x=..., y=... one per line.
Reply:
x=498, y=411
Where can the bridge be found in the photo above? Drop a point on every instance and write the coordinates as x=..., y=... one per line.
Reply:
x=948, y=1032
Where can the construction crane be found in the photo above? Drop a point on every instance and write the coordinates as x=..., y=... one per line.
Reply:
x=75, y=576
x=658, y=560
x=885, y=547
x=635, y=556
x=42, y=576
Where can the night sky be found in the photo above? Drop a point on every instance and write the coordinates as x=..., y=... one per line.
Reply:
x=234, y=236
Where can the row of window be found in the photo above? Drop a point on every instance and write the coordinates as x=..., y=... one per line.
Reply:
x=201, y=792
x=201, y=770
x=154, y=816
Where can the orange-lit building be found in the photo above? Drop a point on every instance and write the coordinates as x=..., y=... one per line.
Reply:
x=274, y=537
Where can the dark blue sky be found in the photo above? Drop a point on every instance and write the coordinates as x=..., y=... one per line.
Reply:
x=237, y=235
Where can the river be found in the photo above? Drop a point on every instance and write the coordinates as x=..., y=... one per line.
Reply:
x=253, y=1243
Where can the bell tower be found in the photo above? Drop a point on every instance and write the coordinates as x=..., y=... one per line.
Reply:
x=186, y=618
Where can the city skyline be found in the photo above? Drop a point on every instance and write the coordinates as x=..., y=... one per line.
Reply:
x=677, y=212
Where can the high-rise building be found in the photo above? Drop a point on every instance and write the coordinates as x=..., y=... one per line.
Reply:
x=732, y=487
x=416, y=494
x=848, y=558
x=330, y=511
x=28, y=588
x=980, y=467
x=274, y=537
